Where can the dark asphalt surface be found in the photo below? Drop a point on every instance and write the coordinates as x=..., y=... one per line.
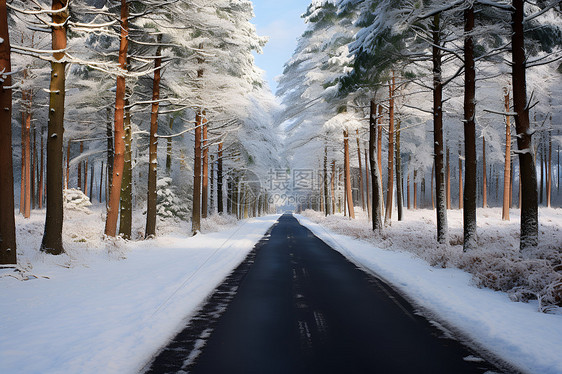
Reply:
x=298, y=306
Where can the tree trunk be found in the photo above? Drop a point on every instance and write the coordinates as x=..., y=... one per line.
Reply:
x=169, y=150
x=151, y=198
x=348, y=196
x=219, y=181
x=33, y=169
x=119, y=157
x=408, y=187
x=511, y=182
x=126, y=198
x=42, y=170
x=415, y=189
x=529, y=205
x=398, y=172
x=92, y=181
x=541, y=163
x=442, y=228
x=448, y=180
x=325, y=182
x=229, y=195
x=52, y=237
x=390, y=184
x=376, y=188
x=7, y=219
x=507, y=168
x=86, y=177
x=27, y=157
x=460, y=179
x=367, y=183
x=484, y=175
x=109, y=164
x=101, y=182
x=549, y=166
x=360, y=172
x=469, y=198
x=379, y=143
x=332, y=184
x=23, y=162
x=212, y=183
x=205, y=177
x=79, y=177
x=196, y=210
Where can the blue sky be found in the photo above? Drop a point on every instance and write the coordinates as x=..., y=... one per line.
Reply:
x=280, y=20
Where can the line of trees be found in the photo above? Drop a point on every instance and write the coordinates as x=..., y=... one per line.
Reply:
x=433, y=76
x=124, y=65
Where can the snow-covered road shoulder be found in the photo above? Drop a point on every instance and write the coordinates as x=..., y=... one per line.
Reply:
x=109, y=315
x=515, y=332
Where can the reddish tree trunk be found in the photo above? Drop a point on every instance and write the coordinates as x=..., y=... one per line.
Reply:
x=205, y=177
x=33, y=169
x=119, y=132
x=41, y=172
x=7, y=219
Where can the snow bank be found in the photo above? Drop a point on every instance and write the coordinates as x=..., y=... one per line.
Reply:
x=107, y=306
x=514, y=331
x=497, y=263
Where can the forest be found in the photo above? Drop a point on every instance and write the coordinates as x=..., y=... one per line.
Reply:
x=127, y=104
x=146, y=165
x=406, y=105
x=95, y=87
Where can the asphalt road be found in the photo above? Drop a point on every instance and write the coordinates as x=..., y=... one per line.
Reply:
x=298, y=306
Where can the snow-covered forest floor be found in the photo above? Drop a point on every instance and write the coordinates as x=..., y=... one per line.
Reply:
x=450, y=286
x=106, y=306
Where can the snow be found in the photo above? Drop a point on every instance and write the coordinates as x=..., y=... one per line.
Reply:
x=514, y=331
x=108, y=306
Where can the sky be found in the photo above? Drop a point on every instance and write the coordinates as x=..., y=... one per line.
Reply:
x=280, y=20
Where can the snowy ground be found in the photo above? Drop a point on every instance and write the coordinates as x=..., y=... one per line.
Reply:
x=106, y=306
x=514, y=331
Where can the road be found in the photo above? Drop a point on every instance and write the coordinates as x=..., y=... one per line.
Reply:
x=298, y=306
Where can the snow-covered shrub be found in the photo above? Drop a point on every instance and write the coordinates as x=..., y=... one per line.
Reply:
x=169, y=204
x=218, y=221
x=74, y=199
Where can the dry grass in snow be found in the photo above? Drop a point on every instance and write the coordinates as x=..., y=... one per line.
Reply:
x=497, y=263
